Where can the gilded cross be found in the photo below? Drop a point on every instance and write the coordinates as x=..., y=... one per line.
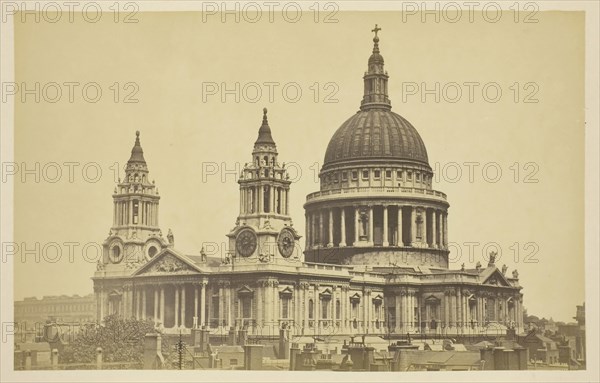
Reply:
x=376, y=29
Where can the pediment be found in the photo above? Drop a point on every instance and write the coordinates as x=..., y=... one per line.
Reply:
x=496, y=279
x=327, y=294
x=168, y=262
x=286, y=293
x=245, y=290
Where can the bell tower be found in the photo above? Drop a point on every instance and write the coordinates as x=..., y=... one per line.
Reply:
x=264, y=230
x=134, y=236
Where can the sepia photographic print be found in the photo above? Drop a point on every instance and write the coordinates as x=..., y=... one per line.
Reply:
x=299, y=190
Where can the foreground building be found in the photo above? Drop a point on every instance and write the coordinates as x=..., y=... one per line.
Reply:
x=376, y=249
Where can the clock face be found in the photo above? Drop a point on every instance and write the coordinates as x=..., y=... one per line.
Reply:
x=285, y=243
x=245, y=243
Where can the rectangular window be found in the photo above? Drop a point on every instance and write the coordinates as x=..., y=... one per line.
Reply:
x=377, y=174
x=354, y=174
x=285, y=308
x=246, y=308
x=344, y=176
x=399, y=174
x=388, y=174
x=418, y=175
x=215, y=307
x=365, y=174
x=324, y=307
x=409, y=175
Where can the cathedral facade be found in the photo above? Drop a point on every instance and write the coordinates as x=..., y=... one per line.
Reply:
x=374, y=260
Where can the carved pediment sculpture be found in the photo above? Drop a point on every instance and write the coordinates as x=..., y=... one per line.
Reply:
x=169, y=264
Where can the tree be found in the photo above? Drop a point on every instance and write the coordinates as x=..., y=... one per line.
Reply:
x=121, y=340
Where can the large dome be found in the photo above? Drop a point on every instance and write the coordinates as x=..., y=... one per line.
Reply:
x=376, y=133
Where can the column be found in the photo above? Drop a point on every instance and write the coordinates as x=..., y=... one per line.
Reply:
x=141, y=212
x=480, y=311
x=260, y=199
x=144, y=312
x=424, y=232
x=317, y=306
x=445, y=219
x=433, y=229
x=229, y=305
x=149, y=219
x=271, y=199
x=386, y=241
x=162, y=305
x=130, y=209
x=446, y=308
x=154, y=207
x=176, y=307
x=465, y=310
x=202, y=303
x=411, y=310
x=458, y=306
x=356, y=224
x=371, y=225
x=196, y=304
x=155, y=305
x=138, y=304
x=399, y=241
x=398, y=328
x=315, y=230
x=182, y=324
x=441, y=230
x=287, y=204
x=321, y=231
x=310, y=230
x=343, y=227
x=305, y=304
x=330, y=237
x=413, y=226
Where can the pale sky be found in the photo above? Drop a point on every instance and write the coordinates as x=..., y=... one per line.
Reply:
x=173, y=57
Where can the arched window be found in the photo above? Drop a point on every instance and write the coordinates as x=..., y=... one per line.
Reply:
x=311, y=309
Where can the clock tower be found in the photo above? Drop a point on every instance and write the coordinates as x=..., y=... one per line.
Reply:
x=264, y=230
x=134, y=236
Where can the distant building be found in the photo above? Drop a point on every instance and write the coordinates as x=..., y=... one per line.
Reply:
x=67, y=309
x=573, y=335
x=541, y=348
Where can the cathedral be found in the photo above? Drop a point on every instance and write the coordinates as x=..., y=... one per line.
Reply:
x=374, y=258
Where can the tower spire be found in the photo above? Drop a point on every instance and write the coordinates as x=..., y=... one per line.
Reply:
x=264, y=133
x=375, y=79
x=137, y=154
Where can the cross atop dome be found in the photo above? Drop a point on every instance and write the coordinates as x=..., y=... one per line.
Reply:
x=376, y=29
x=376, y=39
